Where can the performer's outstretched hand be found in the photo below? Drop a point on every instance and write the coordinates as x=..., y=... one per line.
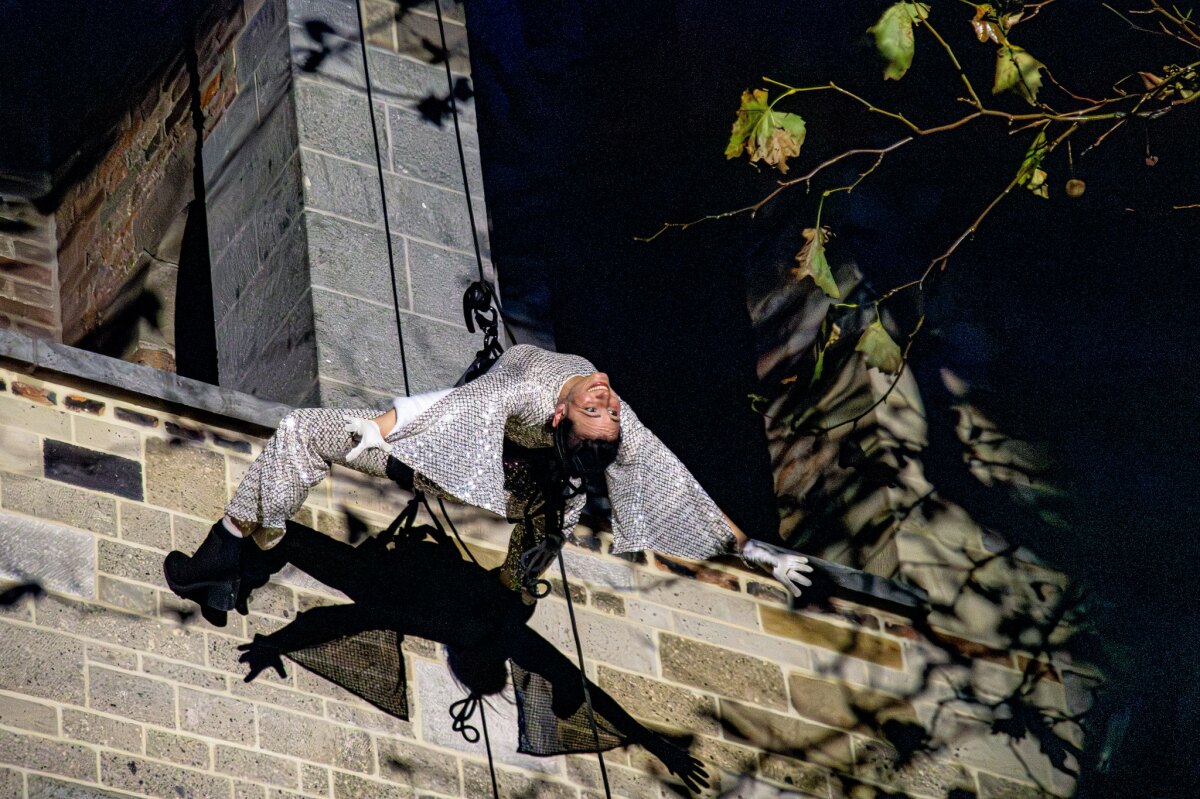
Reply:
x=787, y=566
x=259, y=655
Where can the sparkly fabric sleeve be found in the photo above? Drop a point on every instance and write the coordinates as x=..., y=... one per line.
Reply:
x=657, y=504
x=458, y=443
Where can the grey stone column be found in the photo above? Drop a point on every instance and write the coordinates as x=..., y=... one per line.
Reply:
x=359, y=361
x=306, y=299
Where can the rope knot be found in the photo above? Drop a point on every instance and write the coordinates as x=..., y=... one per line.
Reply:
x=462, y=711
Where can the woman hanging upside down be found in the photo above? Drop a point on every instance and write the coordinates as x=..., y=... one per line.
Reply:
x=454, y=440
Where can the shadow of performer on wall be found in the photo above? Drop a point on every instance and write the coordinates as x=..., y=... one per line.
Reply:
x=406, y=584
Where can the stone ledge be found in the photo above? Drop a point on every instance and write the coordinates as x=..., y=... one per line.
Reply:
x=140, y=380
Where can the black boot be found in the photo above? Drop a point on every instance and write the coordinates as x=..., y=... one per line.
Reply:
x=213, y=574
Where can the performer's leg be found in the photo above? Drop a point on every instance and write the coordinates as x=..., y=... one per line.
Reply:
x=294, y=460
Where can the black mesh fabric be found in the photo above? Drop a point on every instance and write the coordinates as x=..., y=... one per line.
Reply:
x=543, y=733
x=367, y=664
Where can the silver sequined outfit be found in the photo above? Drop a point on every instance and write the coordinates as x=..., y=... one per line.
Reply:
x=457, y=445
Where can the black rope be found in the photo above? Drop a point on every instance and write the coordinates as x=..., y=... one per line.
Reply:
x=387, y=228
x=587, y=695
x=462, y=159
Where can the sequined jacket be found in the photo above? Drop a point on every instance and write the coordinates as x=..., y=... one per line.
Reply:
x=457, y=444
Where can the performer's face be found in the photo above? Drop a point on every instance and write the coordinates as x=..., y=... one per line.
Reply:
x=593, y=408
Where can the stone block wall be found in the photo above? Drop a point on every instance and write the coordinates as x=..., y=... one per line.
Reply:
x=433, y=252
x=110, y=687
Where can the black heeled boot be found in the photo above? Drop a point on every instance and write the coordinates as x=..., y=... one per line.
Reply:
x=212, y=574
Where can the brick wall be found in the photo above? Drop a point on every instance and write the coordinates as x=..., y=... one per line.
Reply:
x=111, y=222
x=29, y=282
x=106, y=690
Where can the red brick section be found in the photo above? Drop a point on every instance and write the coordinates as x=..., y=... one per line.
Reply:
x=108, y=220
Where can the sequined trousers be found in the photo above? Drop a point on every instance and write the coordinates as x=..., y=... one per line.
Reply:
x=296, y=458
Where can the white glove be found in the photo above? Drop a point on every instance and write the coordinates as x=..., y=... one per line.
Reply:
x=368, y=434
x=786, y=565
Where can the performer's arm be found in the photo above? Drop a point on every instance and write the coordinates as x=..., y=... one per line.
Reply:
x=534, y=653
x=309, y=628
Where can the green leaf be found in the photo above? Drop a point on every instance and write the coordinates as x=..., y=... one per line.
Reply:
x=765, y=134
x=1017, y=70
x=812, y=261
x=882, y=353
x=894, y=36
x=1031, y=175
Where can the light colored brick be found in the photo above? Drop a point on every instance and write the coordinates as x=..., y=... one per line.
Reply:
x=128, y=596
x=179, y=673
x=155, y=636
x=91, y=728
x=722, y=671
x=314, y=780
x=97, y=434
x=111, y=657
x=477, y=782
x=314, y=740
x=46, y=755
x=35, y=418
x=417, y=767
x=57, y=557
x=33, y=716
x=665, y=705
x=159, y=779
x=840, y=705
x=688, y=595
x=775, y=732
x=185, y=478
x=743, y=640
x=142, y=525
x=12, y=783
x=40, y=663
x=349, y=786
x=140, y=698
x=20, y=452
x=177, y=748
x=922, y=774
x=256, y=766
x=130, y=563
x=62, y=503
x=188, y=533
x=217, y=716
x=845, y=640
x=260, y=691
x=436, y=690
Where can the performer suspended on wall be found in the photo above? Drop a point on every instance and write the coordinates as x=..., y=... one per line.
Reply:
x=454, y=440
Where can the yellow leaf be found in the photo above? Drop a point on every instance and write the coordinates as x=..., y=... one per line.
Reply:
x=812, y=262
x=765, y=134
x=1017, y=71
x=881, y=352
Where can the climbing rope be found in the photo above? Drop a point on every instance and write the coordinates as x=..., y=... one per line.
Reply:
x=480, y=308
x=387, y=227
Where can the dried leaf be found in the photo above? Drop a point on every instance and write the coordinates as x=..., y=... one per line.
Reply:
x=812, y=261
x=1017, y=70
x=882, y=352
x=985, y=24
x=1031, y=175
x=765, y=134
x=894, y=36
